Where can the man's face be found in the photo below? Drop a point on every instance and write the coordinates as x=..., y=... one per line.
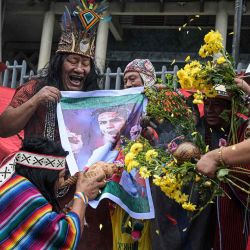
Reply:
x=75, y=69
x=132, y=79
x=213, y=107
x=111, y=125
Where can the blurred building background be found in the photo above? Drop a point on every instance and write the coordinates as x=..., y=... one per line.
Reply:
x=161, y=30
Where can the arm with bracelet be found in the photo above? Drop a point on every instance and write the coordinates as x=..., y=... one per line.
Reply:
x=231, y=155
x=87, y=188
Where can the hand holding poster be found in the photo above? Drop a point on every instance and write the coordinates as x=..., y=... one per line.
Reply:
x=92, y=125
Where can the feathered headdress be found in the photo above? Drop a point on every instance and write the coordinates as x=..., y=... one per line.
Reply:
x=79, y=24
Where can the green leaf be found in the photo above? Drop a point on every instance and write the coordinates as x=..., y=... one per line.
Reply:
x=221, y=173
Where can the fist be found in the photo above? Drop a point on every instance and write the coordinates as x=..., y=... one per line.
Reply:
x=47, y=94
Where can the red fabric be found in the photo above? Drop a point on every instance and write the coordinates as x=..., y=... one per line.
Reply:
x=231, y=220
x=231, y=211
x=13, y=143
x=248, y=243
x=187, y=93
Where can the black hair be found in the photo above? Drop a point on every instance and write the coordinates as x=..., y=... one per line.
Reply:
x=128, y=111
x=120, y=109
x=43, y=179
x=51, y=75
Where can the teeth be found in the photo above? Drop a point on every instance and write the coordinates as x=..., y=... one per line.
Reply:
x=76, y=78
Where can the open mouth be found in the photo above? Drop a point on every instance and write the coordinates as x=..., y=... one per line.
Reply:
x=76, y=80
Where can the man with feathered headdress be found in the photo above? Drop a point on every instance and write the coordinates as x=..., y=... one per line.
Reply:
x=33, y=107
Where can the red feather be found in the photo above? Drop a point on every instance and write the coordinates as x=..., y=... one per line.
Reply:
x=171, y=219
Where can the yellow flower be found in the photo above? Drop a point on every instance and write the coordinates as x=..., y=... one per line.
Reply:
x=207, y=37
x=197, y=178
x=181, y=74
x=132, y=164
x=187, y=59
x=221, y=60
x=189, y=206
x=136, y=148
x=170, y=164
x=195, y=64
x=195, y=101
x=168, y=190
x=183, y=198
x=198, y=97
x=150, y=154
x=211, y=93
x=186, y=83
x=203, y=52
x=207, y=183
x=213, y=37
x=157, y=180
x=176, y=195
x=128, y=158
x=144, y=172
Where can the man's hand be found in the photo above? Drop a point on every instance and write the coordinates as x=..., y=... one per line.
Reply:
x=47, y=94
x=90, y=185
x=208, y=163
x=242, y=85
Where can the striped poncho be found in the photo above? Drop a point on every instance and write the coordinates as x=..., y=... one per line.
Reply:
x=28, y=222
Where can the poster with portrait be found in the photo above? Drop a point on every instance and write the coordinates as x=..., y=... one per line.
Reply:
x=92, y=128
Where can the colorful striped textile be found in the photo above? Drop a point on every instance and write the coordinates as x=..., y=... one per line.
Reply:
x=28, y=222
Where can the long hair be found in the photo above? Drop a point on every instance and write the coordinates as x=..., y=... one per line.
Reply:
x=51, y=75
x=43, y=179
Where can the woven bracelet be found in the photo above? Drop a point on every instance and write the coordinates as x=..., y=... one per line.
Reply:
x=220, y=156
x=81, y=196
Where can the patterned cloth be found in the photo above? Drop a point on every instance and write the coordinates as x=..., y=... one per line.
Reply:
x=146, y=70
x=28, y=222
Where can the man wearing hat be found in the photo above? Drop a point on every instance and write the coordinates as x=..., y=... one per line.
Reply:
x=139, y=72
x=234, y=205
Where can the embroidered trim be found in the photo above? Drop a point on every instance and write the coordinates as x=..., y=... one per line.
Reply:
x=30, y=160
x=40, y=161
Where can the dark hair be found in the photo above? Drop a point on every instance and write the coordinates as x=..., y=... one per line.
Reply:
x=127, y=111
x=121, y=110
x=43, y=179
x=51, y=75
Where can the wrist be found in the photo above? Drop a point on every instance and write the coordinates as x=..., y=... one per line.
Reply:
x=220, y=159
x=35, y=101
x=81, y=196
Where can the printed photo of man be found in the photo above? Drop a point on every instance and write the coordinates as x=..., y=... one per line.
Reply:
x=111, y=122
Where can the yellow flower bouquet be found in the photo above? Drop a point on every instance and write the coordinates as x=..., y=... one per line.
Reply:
x=172, y=167
x=174, y=172
x=213, y=73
